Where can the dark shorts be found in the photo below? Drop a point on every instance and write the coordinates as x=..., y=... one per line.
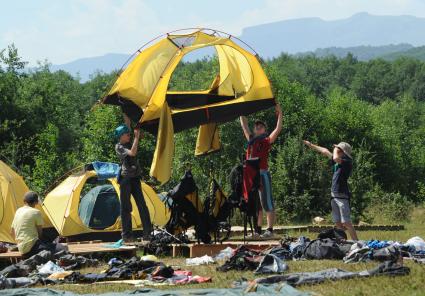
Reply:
x=266, y=197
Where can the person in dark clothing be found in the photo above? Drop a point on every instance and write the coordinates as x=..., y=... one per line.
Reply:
x=342, y=166
x=130, y=182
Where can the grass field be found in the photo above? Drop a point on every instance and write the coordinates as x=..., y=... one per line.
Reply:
x=413, y=284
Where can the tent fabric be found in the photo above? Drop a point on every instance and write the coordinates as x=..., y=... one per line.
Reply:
x=164, y=151
x=241, y=87
x=283, y=290
x=208, y=140
x=62, y=206
x=100, y=207
x=12, y=191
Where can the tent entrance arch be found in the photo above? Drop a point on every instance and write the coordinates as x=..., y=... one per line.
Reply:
x=99, y=208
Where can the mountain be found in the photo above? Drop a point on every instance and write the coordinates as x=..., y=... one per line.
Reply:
x=308, y=34
x=416, y=53
x=362, y=53
x=366, y=36
x=85, y=67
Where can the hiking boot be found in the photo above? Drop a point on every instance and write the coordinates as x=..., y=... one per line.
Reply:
x=267, y=234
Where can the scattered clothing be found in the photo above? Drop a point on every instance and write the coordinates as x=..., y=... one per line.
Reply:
x=271, y=264
x=73, y=262
x=302, y=278
x=204, y=260
x=224, y=254
x=49, y=268
x=25, y=267
x=416, y=242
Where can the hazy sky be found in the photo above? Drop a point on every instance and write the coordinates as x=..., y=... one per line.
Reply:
x=63, y=30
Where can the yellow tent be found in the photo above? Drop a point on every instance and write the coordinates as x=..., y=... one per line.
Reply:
x=240, y=88
x=62, y=207
x=12, y=191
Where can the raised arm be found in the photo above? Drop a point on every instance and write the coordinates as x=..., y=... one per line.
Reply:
x=319, y=149
x=133, y=150
x=278, y=129
x=127, y=121
x=245, y=127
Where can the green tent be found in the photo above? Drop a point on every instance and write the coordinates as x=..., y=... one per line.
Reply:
x=100, y=207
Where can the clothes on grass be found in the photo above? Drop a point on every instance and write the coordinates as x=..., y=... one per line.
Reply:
x=417, y=242
x=129, y=164
x=295, y=279
x=341, y=211
x=26, y=222
x=73, y=262
x=131, y=186
x=325, y=249
x=271, y=264
x=25, y=267
x=333, y=233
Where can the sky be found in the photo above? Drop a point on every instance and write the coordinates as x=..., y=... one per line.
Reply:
x=61, y=31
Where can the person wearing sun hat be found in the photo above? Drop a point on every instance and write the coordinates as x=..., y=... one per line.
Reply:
x=342, y=166
x=129, y=180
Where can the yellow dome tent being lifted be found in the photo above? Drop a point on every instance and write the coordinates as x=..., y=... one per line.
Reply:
x=240, y=88
x=12, y=191
x=62, y=205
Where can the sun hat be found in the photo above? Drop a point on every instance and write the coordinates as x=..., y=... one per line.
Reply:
x=346, y=148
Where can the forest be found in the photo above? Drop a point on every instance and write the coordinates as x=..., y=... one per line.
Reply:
x=51, y=123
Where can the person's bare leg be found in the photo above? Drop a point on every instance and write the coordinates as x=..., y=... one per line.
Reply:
x=350, y=228
x=260, y=218
x=339, y=225
x=270, y=219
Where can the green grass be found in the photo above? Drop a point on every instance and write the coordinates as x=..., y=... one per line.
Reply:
x=413, y=284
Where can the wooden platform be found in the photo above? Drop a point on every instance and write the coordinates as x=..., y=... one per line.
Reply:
x=198, y=250
x=92, y=249
x=238, y=230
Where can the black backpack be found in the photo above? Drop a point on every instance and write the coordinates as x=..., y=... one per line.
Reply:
x=333, y=233
x=323, y=249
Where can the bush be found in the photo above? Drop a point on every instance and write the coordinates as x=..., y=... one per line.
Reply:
x=387, y=207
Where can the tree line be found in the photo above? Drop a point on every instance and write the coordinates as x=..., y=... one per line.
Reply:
x=50, y=123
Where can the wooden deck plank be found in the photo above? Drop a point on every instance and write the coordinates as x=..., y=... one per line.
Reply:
x=80, y=249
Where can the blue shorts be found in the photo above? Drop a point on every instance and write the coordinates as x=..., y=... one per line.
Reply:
x=266, y=197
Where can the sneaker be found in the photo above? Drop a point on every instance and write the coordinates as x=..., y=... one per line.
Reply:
x=267, y=234
x=253, y=236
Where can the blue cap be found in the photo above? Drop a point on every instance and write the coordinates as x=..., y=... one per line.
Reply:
x=121, y=130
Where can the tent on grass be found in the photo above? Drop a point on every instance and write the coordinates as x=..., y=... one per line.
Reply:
x=240, y=88
x=85, y=207
x=12, y=191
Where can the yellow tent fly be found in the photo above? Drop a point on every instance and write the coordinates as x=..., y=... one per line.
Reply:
x=62, y=206
x=12, y=191
x=240, y=88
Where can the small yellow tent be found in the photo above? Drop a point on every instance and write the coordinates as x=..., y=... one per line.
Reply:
x=12, y=191
x=240, y=88
x=63, y=202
